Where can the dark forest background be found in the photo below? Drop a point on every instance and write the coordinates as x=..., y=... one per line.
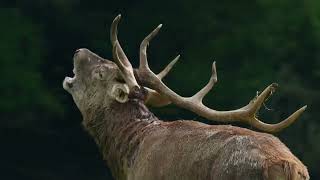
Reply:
x=254, y=44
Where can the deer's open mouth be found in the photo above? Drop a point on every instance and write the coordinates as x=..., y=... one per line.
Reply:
x=69, y=81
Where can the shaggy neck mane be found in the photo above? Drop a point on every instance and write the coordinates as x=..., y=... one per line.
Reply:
x=119, y=129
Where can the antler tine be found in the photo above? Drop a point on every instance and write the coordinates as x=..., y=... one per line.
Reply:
x=256, y=102
x=273, y=128
x=167, y=69
x=116, y=57
x=114, y=40
x=253, y=107
x=114, y=30
x=122, y=60
x=197, y=98
x=143, y=48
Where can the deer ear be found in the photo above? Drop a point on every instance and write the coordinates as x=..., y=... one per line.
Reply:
x=120, y=92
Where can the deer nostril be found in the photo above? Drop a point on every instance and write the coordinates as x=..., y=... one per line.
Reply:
x=78, y=50
x=69, y=84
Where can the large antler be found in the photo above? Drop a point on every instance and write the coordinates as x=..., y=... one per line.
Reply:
x=246, y=114
x=163, y=95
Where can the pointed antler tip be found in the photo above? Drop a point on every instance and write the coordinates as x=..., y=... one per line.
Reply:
x=175, y=59
x=304, y=107
x=214, y=72
x=275, y=85
x=160, y=25
x=214, y=66
x=117, y=18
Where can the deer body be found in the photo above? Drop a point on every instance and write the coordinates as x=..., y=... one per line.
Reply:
x=138, y=146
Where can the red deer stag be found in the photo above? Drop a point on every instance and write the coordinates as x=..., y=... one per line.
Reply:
x=137, y=145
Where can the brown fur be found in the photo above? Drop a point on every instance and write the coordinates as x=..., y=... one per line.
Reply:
x=137, y=145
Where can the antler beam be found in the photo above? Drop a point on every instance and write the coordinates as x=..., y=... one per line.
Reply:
x=246, y=114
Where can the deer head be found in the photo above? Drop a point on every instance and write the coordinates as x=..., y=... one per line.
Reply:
x=118, y=81
x=91, y=74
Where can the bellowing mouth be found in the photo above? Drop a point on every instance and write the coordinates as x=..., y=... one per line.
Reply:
x=69, y=81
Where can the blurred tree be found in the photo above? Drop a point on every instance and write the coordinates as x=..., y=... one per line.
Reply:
x=25, y=97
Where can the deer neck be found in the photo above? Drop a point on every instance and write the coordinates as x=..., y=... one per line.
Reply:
x=118, y=131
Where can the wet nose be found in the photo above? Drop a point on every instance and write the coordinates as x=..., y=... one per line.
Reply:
x=80, y=50
x=81, y=53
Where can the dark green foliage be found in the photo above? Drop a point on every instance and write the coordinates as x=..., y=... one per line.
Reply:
x=254, y=43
